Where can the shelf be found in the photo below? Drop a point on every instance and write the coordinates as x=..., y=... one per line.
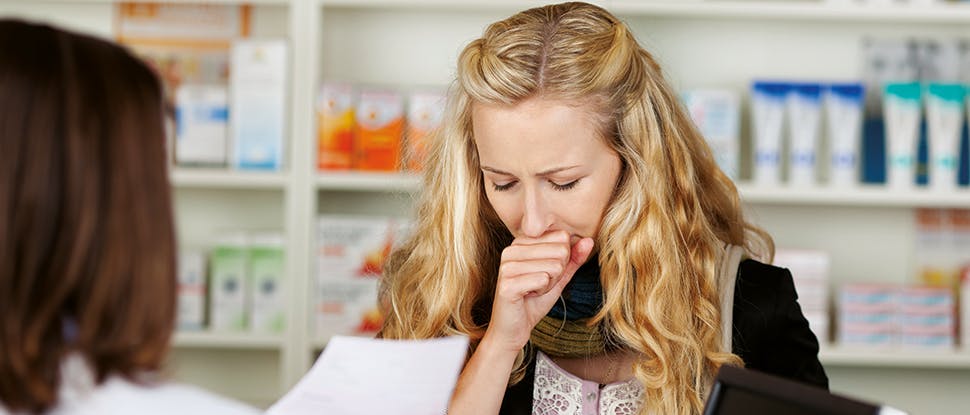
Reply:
x=222, y=178
x=253, y=2
x=369, y=182
x=469, y=5
x=715, y=9
x=869, y=196
x=806, y=11
x=319, y=340
x=206, y=340
x=864, y=196
x=912, y=359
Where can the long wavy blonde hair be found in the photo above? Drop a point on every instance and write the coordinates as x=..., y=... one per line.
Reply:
x=660, y=238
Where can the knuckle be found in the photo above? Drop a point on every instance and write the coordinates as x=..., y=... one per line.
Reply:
x=503, y=269
x=545, y=278
x=558, y=268
x=564, y=252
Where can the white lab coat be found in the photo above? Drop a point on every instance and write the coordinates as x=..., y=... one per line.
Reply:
x=118, y=396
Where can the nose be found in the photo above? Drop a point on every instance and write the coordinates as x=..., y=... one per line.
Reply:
x=536, y=216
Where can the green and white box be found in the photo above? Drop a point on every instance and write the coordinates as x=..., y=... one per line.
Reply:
x=229, y=284
x=266, y=262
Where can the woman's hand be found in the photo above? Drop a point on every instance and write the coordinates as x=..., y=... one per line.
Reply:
x=531, y=277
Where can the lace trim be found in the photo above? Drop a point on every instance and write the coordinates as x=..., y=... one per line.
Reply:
x=558, y=392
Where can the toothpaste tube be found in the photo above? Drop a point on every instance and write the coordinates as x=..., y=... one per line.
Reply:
x=844, y=105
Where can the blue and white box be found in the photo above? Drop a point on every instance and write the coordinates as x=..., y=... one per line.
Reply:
x=258, y=104
x=201, y=121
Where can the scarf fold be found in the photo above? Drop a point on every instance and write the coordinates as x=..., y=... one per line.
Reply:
x=564, y=331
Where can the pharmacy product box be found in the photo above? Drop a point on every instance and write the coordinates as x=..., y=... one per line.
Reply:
x=335, y=123
x=266, y=264
x=810, y=273
x=350, y=247
x=926, y=300
x=869, y=297
x=818, y=321
x=201, y=125
x=229, y=284
x=868, y=338
x=347, y=307
x=425, y=110
x=191, y=291
x=928, y=338
x=379, y=130
x=258, y=104
x=717, y=114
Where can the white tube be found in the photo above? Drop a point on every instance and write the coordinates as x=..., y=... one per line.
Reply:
x=902, y=117
x=768, y=111
x=944, y=119
x=804, y=114
x=844, y=104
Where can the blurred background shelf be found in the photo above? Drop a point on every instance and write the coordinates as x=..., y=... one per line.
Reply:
x=797, y=10
x=896, y=358
x=864, y=196
x=253, y=2
x=369, y=182
x=184, y=177
x=408, y=43
x=715, y=9
x=205, y=339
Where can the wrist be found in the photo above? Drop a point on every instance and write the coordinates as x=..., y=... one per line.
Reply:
x=495, y=347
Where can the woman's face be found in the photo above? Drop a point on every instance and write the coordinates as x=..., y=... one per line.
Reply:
x=545, y=166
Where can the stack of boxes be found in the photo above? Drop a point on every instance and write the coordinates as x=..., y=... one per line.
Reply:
x=926, y=318
x=867, y=316
x=351, y=251
x=810, y=271
x=884, y=316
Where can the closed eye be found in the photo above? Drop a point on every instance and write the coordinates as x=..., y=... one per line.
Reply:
x=564, y=187
x=503, y=187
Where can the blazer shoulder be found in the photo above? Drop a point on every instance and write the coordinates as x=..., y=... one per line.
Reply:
x=754, y=272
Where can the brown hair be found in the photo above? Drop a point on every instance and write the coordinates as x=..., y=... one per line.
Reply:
x=87, y=247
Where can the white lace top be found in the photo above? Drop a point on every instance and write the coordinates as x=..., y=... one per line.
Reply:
x=557, y=391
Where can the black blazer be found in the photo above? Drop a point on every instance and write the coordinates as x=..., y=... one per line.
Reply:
x=770, y=334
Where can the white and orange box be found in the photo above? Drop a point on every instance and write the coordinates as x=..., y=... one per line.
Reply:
x=379, y=130
x=335, y=126
x=425, y=110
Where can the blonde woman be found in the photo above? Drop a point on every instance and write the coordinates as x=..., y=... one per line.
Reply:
x=575, y=226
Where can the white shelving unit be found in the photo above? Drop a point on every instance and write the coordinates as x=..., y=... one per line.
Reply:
x=406, y=43
x=226, y=179
x=908, y=359
x=218, y=341
x=369, y=182
x=863, y=196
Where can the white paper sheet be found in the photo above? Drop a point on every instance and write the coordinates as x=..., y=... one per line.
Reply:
x=357, y=375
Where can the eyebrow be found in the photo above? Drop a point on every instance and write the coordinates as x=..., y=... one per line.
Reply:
x=541, y=173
